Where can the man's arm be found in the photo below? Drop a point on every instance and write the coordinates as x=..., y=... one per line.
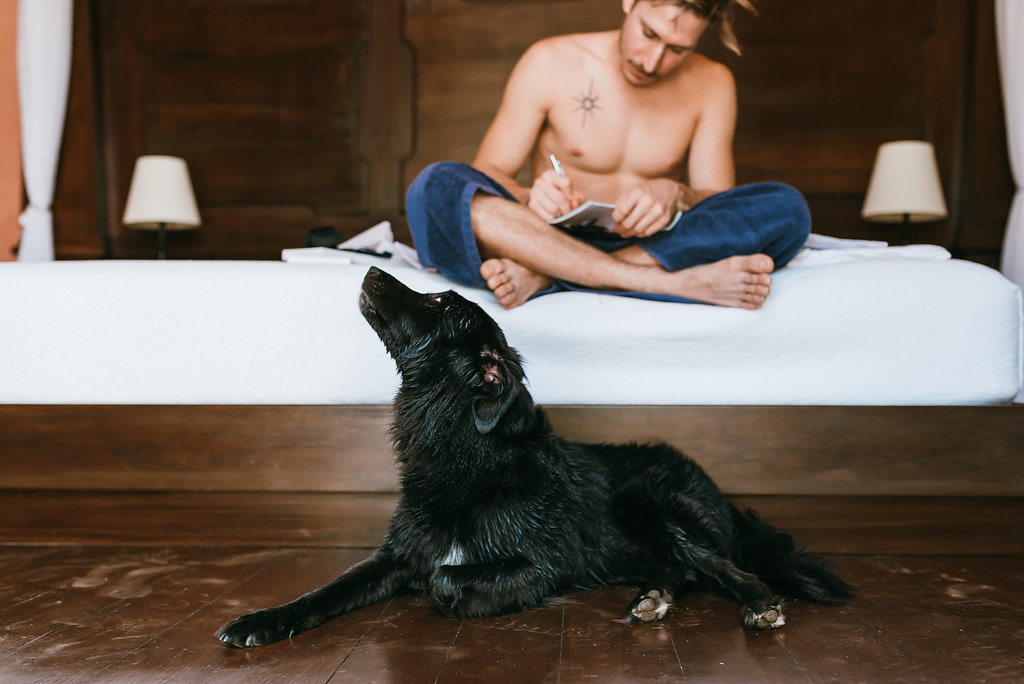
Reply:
x=517, y=125
x=711, y=168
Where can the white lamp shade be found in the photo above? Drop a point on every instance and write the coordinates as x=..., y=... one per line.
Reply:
x=905, y=182
x=161, y=193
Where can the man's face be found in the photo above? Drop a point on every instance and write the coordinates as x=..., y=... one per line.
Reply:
x=656, y=38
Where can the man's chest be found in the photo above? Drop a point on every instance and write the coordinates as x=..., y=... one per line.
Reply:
x=607, y=130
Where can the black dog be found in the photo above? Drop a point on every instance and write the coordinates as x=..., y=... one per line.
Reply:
x=498, y=514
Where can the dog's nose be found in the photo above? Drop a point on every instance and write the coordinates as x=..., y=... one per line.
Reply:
x=374, y=280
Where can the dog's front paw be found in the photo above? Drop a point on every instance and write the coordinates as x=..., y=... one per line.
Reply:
x=470, y=592
x=451, y=594
x=768, y=617
x=650, y=606
x=258, y=629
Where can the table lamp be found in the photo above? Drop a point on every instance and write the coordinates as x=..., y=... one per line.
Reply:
x=160, y=198
x=904, y=186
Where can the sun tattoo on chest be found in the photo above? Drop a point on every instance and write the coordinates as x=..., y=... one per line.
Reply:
x=586, y=104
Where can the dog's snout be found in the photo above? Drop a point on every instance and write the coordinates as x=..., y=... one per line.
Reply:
x=375, y=282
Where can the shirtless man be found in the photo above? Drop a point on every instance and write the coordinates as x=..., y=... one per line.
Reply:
x=626, y=112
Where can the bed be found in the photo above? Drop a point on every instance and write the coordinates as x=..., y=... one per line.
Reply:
x=896, y=326
x=856, y=349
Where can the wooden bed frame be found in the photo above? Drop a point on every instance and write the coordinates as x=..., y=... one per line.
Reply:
x=819, y=450
x=243, y=474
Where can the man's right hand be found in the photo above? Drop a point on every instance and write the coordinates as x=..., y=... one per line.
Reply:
x=552, y=195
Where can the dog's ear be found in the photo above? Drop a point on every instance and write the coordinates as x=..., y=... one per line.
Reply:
x=501, y=385
x=487, y=411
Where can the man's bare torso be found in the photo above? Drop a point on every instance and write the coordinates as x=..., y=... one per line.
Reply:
x=610, y=135
x=638, y=119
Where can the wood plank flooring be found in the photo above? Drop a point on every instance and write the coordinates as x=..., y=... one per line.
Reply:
x=148, y=614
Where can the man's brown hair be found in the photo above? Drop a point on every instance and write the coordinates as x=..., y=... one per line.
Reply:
x=718, y=12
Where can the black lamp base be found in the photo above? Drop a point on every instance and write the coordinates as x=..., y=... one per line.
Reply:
x=161, y=241
x=905, y=230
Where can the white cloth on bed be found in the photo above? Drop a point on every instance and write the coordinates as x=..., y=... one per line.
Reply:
x=885, y=330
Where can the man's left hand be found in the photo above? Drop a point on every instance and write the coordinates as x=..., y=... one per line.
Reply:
x=649, y=207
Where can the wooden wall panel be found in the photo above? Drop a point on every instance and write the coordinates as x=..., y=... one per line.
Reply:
x=821, y=85
x=259, y=97
x=79, y=208
x=299, y=113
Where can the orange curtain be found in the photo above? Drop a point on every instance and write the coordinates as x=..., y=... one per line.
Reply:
x=10, y=132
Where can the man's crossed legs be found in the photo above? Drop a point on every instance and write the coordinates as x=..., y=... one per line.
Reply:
x=722, y=252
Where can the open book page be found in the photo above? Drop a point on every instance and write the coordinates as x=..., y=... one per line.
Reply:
x=594, y=216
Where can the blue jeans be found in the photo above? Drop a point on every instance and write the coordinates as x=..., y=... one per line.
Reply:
x=761, y=218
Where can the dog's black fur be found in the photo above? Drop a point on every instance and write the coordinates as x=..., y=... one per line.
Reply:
x=498, y=514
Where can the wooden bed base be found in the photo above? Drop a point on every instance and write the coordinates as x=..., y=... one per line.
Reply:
x=247, y=474
x=806, y=450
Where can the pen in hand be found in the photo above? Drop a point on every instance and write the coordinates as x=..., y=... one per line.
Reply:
x=556, y=165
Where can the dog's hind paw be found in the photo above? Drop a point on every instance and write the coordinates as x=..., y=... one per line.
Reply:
x=650, y=606
x=769, y=618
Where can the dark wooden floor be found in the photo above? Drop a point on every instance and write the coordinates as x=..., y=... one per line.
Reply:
x=147, y=614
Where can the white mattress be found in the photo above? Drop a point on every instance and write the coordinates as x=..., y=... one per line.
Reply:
x=857, y=327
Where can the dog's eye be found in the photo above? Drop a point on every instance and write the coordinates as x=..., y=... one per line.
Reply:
x=436, y=298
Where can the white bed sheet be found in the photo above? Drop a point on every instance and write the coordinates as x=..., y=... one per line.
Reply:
x=903, y=327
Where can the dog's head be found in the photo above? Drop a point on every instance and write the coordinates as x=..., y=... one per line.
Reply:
x=443, y=343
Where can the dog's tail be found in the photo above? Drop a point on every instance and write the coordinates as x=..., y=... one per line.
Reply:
x=788, y=570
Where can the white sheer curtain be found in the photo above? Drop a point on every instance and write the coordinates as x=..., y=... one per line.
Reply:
x=44, y=72
x=1010, y=41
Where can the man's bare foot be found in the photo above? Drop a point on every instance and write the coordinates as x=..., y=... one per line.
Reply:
x=511, y=283
x=739, y=281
